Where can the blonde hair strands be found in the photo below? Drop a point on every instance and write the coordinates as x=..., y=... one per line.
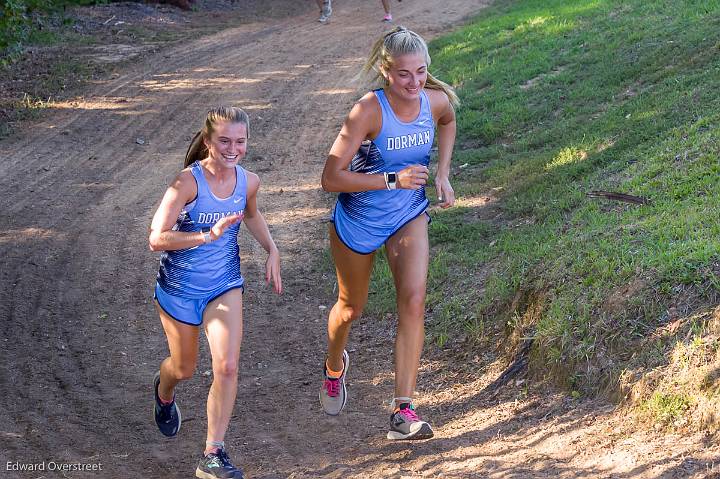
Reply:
x=197, y=150
x=401, y=41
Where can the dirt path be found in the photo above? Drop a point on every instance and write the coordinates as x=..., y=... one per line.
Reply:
x=81, y=339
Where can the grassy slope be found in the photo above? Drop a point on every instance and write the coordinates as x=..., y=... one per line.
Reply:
x=560, y=98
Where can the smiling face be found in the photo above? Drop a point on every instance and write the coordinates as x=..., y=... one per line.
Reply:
x=227, y=144
x=406, y=76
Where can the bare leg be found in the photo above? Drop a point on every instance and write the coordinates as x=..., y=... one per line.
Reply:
x=408, y=253
x=183, y=344
x=223, y=327
x=386, y=6
x=353, y=276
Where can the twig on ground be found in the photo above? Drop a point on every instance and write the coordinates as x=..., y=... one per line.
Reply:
x=611, y=195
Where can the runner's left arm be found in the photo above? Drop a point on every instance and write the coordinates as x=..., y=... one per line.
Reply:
x=446, y=127
x=258, y=227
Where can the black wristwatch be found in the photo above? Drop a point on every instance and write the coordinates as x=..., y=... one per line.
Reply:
x=391, y=180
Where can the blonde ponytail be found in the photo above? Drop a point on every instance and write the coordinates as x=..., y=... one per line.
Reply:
x=435, y=84
x=197, y=150
x=401, y=41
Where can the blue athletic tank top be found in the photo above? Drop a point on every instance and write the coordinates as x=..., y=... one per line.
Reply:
x=364, y=220
x=208, y=268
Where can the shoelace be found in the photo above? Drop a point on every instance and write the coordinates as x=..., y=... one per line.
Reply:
x=225, y=459
x=409, y=414
x=332, y=386
x=166, y=412
x=221, y=459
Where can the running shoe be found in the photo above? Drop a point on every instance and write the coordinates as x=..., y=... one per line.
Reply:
x=387, y=18
x=167, y=417
x=333, y=394
x=405, y=424
x=217, y=466
x=326, y=11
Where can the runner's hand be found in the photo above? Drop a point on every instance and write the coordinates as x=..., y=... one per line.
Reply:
x=413, y=177
x=218, y=229
x=272, y=271
x=445, y=192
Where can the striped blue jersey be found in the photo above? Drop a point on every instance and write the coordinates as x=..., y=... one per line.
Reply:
x=364, y=220
x=207, y=268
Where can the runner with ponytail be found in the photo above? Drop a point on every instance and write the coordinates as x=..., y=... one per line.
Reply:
x=200, y=283
x=379, y=166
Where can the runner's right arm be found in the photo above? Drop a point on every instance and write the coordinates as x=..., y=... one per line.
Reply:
x=162, y=237
x=363, y=122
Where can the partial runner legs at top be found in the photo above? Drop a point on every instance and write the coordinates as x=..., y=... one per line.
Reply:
x=388, y=14
x=325, y=7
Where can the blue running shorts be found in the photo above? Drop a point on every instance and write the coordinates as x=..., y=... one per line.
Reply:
x=188, y=310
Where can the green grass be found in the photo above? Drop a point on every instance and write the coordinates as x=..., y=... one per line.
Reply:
x=560, y=98
x=666, y=408
x=21, y=23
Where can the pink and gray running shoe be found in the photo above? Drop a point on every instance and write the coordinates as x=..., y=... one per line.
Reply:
x=333, y=394
x=405, y=424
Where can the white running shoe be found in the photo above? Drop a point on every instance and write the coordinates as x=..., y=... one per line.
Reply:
x=326, y=11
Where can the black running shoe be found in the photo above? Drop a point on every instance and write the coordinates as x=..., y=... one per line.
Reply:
x=217, y=466
x=167, y=418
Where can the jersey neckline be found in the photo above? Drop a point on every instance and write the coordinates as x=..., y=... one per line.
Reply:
x=216, y=197
x=395, y=117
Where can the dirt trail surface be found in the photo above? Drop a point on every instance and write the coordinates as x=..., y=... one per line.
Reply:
x=81, y=339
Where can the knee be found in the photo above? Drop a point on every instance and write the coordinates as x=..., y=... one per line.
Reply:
x=413, y=305
x=225, y=369
x=183, y=372
x=347, y=313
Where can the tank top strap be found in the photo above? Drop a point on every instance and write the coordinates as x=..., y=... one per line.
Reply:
x=203, y=187
x=240, y=182
x=425, y=109
x=387, y=112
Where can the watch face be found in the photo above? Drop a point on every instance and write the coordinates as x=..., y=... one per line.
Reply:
x=392, y=177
